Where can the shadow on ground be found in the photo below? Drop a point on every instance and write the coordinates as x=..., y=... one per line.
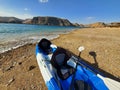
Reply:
x=95, y=65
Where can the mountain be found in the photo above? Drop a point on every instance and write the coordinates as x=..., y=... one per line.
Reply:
x=114, y=24
x=97, y=25
x=51, y=21
x=10, y=20
x=102, y=24
x=55, y=21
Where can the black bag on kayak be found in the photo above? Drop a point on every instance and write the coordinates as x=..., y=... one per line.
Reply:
x=59, y=61
x=44, y=44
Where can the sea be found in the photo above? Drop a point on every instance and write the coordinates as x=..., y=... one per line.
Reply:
x=15, y=35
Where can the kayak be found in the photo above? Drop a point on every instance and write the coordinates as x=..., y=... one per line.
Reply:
x=61, y=70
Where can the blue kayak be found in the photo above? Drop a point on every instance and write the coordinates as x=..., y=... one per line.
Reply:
x=64, y=71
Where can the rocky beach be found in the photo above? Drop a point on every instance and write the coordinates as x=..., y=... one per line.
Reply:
x=19, y=69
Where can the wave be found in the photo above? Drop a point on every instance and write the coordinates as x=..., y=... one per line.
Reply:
x=30, y=40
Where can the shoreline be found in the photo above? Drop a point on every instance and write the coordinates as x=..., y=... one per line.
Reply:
x=16, y=64
x=7, y=46
x=13, y=36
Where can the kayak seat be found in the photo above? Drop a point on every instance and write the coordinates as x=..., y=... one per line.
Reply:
x=59, y=61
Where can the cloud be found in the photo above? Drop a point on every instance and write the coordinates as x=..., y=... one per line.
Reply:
x=90, y=18
x=26, y=9
x=43, y=1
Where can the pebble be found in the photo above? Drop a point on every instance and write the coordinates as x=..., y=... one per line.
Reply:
x=33, y=87
x=32, y=74
x=20, y=63
x=31, y=67
x=14, y=63
x=7, y=68
x=10, y=81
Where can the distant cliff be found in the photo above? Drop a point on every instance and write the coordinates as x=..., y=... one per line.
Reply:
x=51, y=21
x=114, y=24
x=97, y=25
x=10, y=20
x=102, y=25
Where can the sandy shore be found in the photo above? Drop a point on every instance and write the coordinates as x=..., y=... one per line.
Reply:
x=19, y=69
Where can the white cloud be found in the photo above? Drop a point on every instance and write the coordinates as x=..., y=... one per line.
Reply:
x=26, y=9
x=43, y=1
x=90, y=18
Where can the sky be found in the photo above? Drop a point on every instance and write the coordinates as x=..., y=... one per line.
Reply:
x=76, y=11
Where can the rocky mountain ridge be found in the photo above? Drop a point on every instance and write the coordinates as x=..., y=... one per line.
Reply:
x=51, y=21
x=10, y=20
x=55, y=21
x=102, y=25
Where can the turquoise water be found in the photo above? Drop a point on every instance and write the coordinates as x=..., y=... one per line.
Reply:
x=14, y=35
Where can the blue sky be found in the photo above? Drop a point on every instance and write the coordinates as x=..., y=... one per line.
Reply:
x=80, y=11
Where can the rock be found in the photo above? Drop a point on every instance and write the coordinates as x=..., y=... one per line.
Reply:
x=10, y=81
x=32, y=74
x=31, y=68
x=19, y=63
x=14, y=63
x=51, y=21
x=33, y=87
x=8, y=68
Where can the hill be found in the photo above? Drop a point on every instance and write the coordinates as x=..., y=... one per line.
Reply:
x=10, y=20
x=51, y=21
x=97, y=25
